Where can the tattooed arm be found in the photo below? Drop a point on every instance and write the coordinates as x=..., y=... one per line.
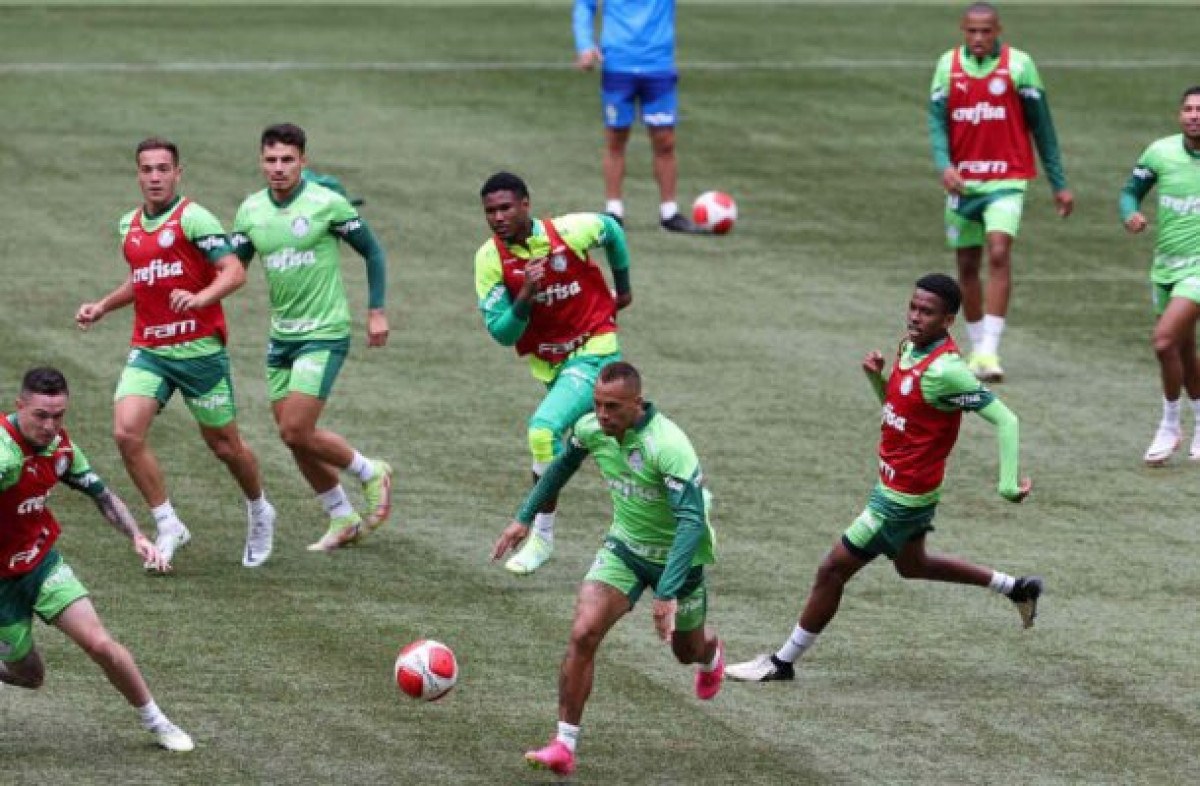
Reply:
x=117, y=514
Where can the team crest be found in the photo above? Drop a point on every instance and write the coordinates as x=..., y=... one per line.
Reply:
x=906, y=385
x=166, y=238
x=60, y=465
x=635, y=460
x=558, y=263
x=300, y=226
x=997, y=86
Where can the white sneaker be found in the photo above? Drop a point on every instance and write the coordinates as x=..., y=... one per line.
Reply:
x=532, y=555
x=1166, y=442
x=173, y=738
x=764, y=668
x=1194, y=452
x=260, y=536
x=169, y=541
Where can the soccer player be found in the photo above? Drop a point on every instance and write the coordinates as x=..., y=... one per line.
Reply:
x=986, y=100
x=637, y=59
x=1173, y=164
x=539, y=292
x=660, y=538
x=923, y=400
x=35, y=454
x=181, y=266
x=294, y=225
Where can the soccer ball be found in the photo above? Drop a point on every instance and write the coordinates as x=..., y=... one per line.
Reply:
x=426, y=670
x=715, y=211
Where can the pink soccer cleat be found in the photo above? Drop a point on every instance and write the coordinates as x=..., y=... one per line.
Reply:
x=556, y=757
x=708, y=683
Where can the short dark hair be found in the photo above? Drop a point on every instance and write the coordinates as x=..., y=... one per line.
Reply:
x=945, y=287
x=504, y=181
x=622, y=372
x=44, y=380
x=284, y=134
x=979, y=9
x=157, y=143
x=1194, y=90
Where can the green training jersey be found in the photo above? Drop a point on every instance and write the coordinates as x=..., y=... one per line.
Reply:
x=1175, y=169
x=298, y=244
x=203, y=230
x=1033, y=101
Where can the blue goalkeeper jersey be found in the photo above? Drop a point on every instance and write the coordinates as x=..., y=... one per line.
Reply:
x=636, y=36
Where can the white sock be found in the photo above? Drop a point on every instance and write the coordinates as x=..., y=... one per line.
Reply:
x=361, y=467
x=975, y=334
x=152, y=717
x=993, y=328
x=568, y=735
x=336, y=503
x=667, y=209
x=1001, y=582
x=616, y=207
x=165, y=517
x=796, y=645
x=1196, y=410
x=712, y=664
x=543, y=525
x=1170, y=416
x=258, y=507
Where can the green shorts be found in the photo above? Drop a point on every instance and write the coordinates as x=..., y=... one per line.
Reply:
x=568, y=398
x=617, y=566
x=46, y=591
x=970, y=218
x=884, y=527
x=205, y=382
x=1187, y=286
x=308, y=367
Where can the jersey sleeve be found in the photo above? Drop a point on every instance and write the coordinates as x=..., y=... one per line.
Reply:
x=680, y=469
x=504, y=321
x=243, y=246
x=124, y=225
x=939, y=134
x=347, y=224
x=1141, y=180
x=551, y=482
x=11, y=462
x=81, y=477
x=948, y=384
x=583, y=25
x=205, y=231
x=585, y=231
x=1036, y=107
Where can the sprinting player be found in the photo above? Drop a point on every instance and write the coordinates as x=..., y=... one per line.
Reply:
x=1173, y=164
x=637, y=59
x=660, y=538
x=35, y=455
x=539, y=292
x=181, y=266
x=923, y=400
x=294, y=226
x=986, y=100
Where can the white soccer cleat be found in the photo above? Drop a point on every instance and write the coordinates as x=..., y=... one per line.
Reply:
x=1166, y=442
x=260, y=536
x=533, y=555
x=173, y=738
x=764, y=668
x=169, y=541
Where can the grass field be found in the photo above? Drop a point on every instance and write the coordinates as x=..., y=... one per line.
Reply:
x=813, y=117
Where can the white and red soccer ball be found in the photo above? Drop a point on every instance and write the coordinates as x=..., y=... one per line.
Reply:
x=426, y=670
x=715, y=211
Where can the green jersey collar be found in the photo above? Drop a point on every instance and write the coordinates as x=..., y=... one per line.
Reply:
x=1192, y=153
x=292, y=197
x=970, y=58
x=148, y=216
x=634, y=432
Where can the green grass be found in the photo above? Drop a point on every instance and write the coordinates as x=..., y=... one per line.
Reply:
x=751, y=342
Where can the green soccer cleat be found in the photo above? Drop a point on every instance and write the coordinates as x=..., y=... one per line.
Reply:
x=986, y=367
x=533, y=555
x=343, y=530
x=378, y=493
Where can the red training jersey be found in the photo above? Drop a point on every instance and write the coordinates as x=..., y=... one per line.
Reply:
x=989, y=139
x=27, y=527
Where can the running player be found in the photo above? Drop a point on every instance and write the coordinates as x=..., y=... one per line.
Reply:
x=1173, y=164
x=539, y=293
x=35, y=455
x=181, y=266
x=923, y=401
x=985, y=101
x=294, y=226
x=660, y=538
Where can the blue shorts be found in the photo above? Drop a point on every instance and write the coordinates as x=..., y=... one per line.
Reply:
x=655, y=93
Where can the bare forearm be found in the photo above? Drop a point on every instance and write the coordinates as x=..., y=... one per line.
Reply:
x=119, y=298
x=116, y=513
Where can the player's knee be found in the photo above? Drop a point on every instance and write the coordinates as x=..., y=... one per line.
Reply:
x=584, y=641
x=999, y=255
x=543, y=442
x=663, y=144
x=226, y=448
x=830, y=572
x=909, y=569
x=294, y=435
x=1165, y=342
x=128, y=440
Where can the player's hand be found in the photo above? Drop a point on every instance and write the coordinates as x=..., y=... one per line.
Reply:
x=664, y=617
x=1065, y=202
x=182, y=300
x=88, y=314
x=952, y=181
x=535, y=274
x=512, y=536
x=589, y=59
x=377, y=328
x=873, y=363
x=624, y=299
x=152, y=558
x=1023, y=488
x=1135, y=223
